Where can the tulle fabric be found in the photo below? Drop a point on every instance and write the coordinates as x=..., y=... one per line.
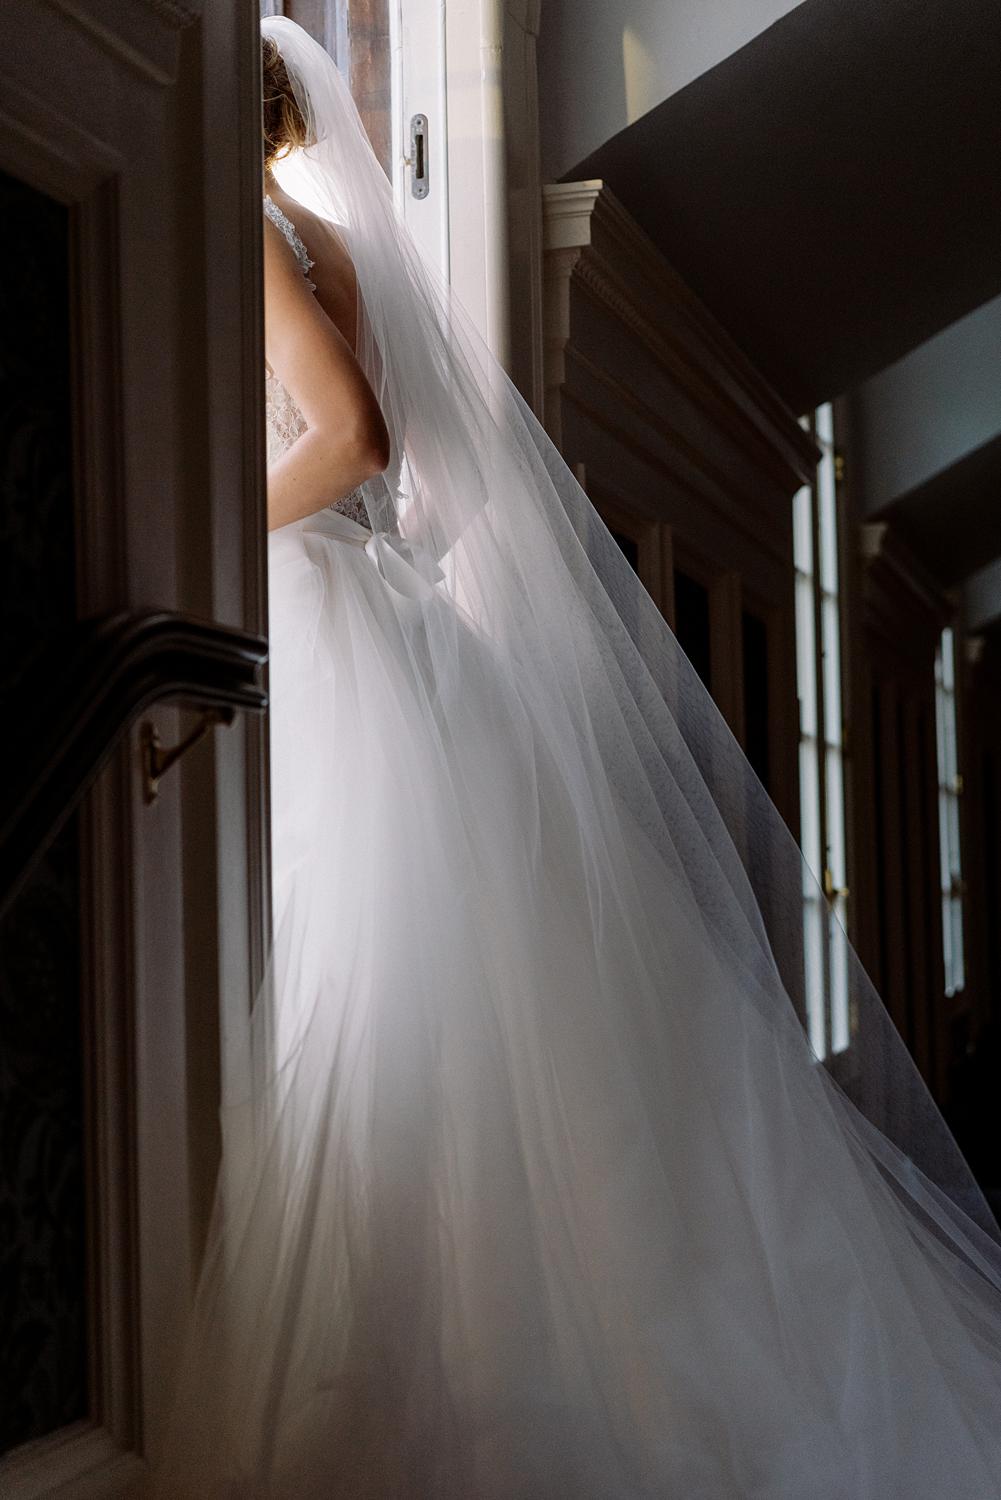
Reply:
x=532, y=1185
x=533, y=1201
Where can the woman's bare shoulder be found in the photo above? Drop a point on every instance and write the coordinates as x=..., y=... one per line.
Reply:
x=321, y=238
x=333, y=270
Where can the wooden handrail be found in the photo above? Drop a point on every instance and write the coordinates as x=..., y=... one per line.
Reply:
x=84, y=692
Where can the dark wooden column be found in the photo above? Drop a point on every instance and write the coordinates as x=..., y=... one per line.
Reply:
x=898, y=907
x=980, y=761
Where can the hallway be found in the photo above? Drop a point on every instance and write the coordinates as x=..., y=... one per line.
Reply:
x=740, y=259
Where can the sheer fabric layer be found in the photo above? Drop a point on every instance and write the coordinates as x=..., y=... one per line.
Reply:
x=533, y=1187
x=535, y=1202
x=284, y=421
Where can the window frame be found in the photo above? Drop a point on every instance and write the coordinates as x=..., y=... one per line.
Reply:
x=949, y=783
x=823, y=804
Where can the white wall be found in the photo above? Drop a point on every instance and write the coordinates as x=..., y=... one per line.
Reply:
x=604, y=63
x=982, y=597
x=926, y=411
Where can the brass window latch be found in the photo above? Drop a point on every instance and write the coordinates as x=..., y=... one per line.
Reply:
x=156, y=758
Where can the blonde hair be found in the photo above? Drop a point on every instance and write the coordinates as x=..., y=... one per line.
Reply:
x=284, y=125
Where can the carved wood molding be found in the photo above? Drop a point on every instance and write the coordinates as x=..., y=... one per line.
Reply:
x=590, y=239
x=895, y=579
x=144, y=35
x=689, y=467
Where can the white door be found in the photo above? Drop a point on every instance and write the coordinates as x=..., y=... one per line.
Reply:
x=420, y=125
x=451, y=65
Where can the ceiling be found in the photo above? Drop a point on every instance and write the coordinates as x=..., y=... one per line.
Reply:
x=953, y=521
x=832, y=192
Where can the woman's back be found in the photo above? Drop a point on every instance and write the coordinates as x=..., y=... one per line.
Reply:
x=311, y=317
x=332, y=272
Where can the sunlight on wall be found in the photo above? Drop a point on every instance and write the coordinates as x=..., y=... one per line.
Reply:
x=640, y=75
x=602, y=65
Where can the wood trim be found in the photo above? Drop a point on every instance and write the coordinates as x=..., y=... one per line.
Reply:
x=41, y=145
x=658, y=554
x=80, y=1462
x=902, y=614
x=641, y=530
x=243, y=758
x=743, y=511
x=783, y=747
x=889, y=562
x=601, y=246
x=725, y=656
x=143, y=36
x=97, y=417
x=658, y=400
x=616, y=512
x=603, y=280
x=170, y=481
x=915, y=876
x=108, y=982
x=898, y=993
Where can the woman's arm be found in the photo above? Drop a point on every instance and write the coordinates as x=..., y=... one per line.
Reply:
x=346, y=440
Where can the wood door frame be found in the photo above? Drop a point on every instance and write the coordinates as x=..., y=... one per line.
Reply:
x=169, y=481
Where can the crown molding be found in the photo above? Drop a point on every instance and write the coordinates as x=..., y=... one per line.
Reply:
x=124, y=30
x=888, y=558
x=590, y=238
x=688, y=465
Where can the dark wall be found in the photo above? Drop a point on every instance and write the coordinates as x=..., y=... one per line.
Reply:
x=42, y=1221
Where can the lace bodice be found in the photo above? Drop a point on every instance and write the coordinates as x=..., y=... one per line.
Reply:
x=285, y=422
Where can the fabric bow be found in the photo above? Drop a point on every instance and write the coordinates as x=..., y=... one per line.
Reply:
x=406, y=566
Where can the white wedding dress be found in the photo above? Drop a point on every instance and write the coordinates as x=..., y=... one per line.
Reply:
x=549, y=1207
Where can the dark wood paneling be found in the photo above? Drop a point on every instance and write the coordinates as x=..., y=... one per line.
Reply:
x=42, y=1226
x=895, y=830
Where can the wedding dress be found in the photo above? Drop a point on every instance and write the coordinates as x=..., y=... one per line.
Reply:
x=538, y=1189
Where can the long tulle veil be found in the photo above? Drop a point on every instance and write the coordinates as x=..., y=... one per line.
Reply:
x=475, y=478
x=487, y=507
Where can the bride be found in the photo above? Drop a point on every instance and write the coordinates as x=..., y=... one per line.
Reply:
x=534, y=1188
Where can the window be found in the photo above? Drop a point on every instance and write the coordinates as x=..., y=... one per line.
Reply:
x=821, y=748
x=950, y=786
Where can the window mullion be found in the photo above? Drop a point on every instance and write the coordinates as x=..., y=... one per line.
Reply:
x=821, y=730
